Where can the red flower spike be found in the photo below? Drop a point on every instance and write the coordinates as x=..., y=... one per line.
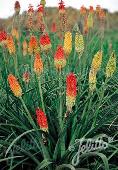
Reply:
x=71, y=84
x=3, y=36
x=33, y=44
x=61, y=7
x=45, y=42
x=59, y=59
x=42, y=120
x=40, y=9
x=71, y=91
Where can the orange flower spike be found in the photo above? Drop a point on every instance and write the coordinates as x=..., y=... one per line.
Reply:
x=14, y=85
x=45, y=42
x=71, y=91
x=17, y=7
x=59, y=59
x=38, y=64
x=33, y=45
x=42, y=120
x=10, y=45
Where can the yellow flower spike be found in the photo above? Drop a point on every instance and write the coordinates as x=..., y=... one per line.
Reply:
x=111, y=65
x=97, y=60
x=90, y=21
x=68, y=43
x=14, y=85
x=79, y=43
x=92, y=80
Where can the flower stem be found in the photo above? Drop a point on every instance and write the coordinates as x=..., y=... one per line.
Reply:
x=16, y=65
x=60, y=101
x=28, y=115
x=41, y=94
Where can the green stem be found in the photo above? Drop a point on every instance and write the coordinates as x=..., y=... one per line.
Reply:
x=100, y=102
x=41, y=94
x=28, y=115
x=16, y=65
x=60, y=100
x=44, y=150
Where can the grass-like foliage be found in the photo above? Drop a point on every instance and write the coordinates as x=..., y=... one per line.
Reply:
x=57, y=86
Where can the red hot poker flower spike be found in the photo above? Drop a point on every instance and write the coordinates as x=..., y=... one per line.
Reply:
x=3, y=36
x=45, y=42
x=61, y=7
x=42, y=120
x=59, y=58
x=40, y=9
x=71, y=91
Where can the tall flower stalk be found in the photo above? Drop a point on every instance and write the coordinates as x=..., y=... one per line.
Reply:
x=71, y=91
x=38, y=69
x=60, y=62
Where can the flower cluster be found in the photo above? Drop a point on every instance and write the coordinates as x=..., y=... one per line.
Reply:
x=45, y=42
x=79, y=43
x=38, y=64
x=14, y=85
x=111, y=65
x=3, y=37
x=42, y=120
x=33, y=45
x=95, y=66
x=10, y=45
x=68, y=43
x=71, y=91
x=59, y=58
